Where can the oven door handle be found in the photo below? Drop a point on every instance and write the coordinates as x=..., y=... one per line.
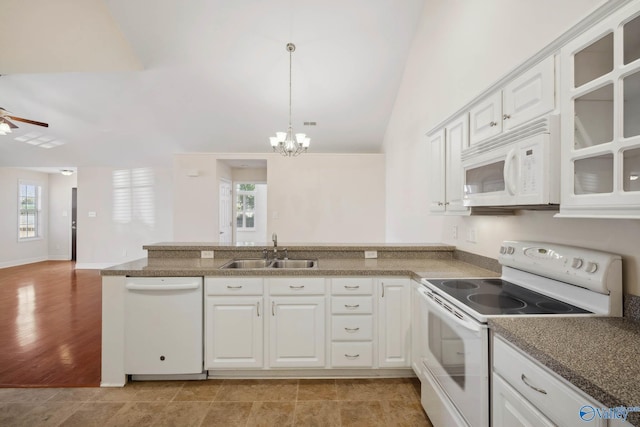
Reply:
x=469, y=325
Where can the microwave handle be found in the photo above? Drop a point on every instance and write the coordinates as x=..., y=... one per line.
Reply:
x=508, y=166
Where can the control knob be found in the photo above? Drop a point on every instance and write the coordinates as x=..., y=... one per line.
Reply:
x=576, y=263
x=591, y=267
x=510, y=250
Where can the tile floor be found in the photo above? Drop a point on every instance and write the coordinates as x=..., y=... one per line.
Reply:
x=286, y=402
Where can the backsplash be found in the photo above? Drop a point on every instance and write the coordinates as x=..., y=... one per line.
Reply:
x=631, y=307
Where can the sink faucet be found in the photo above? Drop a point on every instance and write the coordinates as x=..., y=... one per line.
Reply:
x=274, y=238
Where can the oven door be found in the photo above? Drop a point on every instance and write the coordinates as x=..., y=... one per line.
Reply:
x=455, y=354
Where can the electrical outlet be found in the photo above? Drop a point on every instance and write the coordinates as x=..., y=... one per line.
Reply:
x=454, y=232
x=206, y=254
x=471, y=235
x=370, y=254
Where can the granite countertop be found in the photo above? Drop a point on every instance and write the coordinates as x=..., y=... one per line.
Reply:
x=416, y=268
x=598, y=355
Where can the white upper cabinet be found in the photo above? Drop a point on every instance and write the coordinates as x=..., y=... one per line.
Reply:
x=445, y=167
x=522, y=99
x=436, y=172
x=600, y=107
x=530, y=95
x=486, y=118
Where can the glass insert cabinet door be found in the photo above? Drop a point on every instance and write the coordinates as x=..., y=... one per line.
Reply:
x=600, y=107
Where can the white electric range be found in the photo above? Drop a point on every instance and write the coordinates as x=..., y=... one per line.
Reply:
x=538, y=279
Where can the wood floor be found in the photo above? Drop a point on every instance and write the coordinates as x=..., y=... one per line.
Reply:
x=50, y=333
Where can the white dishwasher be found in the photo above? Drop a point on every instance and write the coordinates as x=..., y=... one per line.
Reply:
x=163, y=326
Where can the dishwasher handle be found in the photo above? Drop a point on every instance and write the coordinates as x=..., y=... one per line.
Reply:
x=174, y=287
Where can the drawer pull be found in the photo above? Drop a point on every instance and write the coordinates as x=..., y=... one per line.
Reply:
x=524, y=380
x=351, y=329
x=351, y=356
x=234, y=287
x=352, y=287
x=352, y=306
x=296, y=287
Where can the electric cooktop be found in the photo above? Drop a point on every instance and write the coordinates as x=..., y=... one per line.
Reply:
x=499, y=297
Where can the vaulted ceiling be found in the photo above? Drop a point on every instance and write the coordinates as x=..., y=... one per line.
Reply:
x=125, y=83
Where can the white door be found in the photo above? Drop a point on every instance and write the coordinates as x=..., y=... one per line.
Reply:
x=234, y=332
x=394, y=323
x=297, y=332
x=457, y=139
x=511, y=409
x=436, y=172
x=530, y=95
x=485, y=118
x=225, y=212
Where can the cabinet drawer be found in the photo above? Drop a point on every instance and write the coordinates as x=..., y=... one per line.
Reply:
x=352, y=286
x=352, y=354
x=354, y=305
x=233, y=286
x=561, y=402
x=295, y=286
x=351, y=328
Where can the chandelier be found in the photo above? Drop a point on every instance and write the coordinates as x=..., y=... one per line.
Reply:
x=284, y=142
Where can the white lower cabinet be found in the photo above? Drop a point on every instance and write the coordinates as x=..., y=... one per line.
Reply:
x=306, y=322
x=234, y=326
x=352, y=325
x=511, y=409
x=394, y=322
x=234, y=332
x=296, y=322
x=525, y=393
x=296, y=332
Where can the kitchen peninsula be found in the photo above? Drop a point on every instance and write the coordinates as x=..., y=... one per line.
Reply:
x=369, y=298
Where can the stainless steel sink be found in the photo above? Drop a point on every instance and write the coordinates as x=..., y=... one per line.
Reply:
x=248, y=263
x=295, y=263
x=263, y=263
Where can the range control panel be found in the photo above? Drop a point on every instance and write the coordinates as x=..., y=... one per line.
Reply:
x=582, y=267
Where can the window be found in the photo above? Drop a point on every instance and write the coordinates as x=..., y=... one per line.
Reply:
x=245, y=206
x=29, y=209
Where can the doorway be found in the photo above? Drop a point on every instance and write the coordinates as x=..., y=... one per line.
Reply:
x=225, y=223
x=74, y=221
x=250, y=212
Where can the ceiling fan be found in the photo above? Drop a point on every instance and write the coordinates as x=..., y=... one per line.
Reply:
x=6, y=125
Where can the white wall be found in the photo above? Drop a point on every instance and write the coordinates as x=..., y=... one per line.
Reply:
x=60, y=215
x=124, y=221
x=311, y=198
x=13, y=252
x=461, y=48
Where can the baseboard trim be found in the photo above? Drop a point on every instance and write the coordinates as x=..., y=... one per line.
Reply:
x=59, y=258
x=25, y=261
x=311, y=373
x=92, y=265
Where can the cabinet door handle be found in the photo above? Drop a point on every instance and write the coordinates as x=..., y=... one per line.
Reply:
x=351, y=329
x=524, y=380
x=352, y=287
x=440, y=204
x=258, y=308
x=351, y=356
x=273, y=308
x=506, y=116
x=352, y=306
x=492, y=124
x=234, y=287
x=382, y=284
x=296, y=287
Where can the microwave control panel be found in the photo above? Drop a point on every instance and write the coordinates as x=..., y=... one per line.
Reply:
x=530, y=164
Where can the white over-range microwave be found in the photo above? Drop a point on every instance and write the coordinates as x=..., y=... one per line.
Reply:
x=518, y=169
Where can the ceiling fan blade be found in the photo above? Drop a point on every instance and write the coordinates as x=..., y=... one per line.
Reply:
x=11, y=125
x=31, y=122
